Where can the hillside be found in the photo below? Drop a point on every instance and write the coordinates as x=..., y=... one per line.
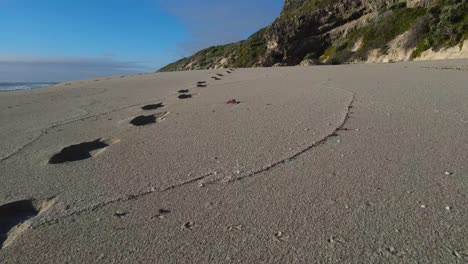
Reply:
x=345, y=31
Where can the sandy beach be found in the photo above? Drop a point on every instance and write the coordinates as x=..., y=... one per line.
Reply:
x=322, y=164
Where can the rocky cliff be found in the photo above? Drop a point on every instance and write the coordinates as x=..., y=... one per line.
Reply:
x=343, y=31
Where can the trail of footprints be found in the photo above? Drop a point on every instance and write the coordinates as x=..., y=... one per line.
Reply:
x=86, y=150
x=16, y=216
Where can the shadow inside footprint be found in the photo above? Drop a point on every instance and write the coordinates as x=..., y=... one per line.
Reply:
x=183, y=91
x=201, y=82
x=77, y=152
x=219, y=74
x=216, y=78
x=201, y=85
x=143, y=120
x=185, y=96
x=13, y=214
x=152, y=106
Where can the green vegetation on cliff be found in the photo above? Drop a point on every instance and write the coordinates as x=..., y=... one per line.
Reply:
x=310, y=29
x=249, y=51
x=445, y=25
x=240, y=54
x=203, y=58
x=377, y=35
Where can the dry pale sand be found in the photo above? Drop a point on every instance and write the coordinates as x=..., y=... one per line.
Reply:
x=331, y=164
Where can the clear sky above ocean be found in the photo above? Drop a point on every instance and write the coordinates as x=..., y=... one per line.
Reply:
x=54, y=40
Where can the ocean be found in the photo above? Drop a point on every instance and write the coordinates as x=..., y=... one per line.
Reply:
x=11, y=86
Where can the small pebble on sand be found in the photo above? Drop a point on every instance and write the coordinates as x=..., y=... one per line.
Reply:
x=119, y=213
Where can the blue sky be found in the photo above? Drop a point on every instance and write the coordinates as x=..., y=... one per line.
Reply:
x=55, y=40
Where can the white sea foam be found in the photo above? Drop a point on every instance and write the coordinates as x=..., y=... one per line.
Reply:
x=11, y=86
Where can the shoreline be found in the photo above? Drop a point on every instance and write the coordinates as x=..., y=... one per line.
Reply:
x=18, y=86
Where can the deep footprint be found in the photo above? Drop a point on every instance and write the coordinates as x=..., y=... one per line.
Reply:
x=183, y=91
x=77, y=152
x=143, y=120
x=13, y=215
x=215, y=78
x=219, y=74
x=152, y=106
x=201, y=85
x=184, y=96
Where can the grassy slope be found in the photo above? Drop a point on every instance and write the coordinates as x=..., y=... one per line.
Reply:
x=240, y=54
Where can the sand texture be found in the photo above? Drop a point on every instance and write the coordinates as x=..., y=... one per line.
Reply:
x=323, y=164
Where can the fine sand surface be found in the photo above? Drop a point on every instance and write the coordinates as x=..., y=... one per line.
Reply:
x=330, y=164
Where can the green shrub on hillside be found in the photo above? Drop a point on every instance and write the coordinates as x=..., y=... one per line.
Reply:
x=448, y=26
x=376, y=35
x=249, y=50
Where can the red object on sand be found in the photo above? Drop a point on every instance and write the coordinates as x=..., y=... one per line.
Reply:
x=232, y=101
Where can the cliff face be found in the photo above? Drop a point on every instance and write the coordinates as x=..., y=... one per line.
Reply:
x=342, y=31
x=303, y=29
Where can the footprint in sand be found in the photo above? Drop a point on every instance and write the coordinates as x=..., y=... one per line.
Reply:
x=161, y=214
x=201, y=84
x=152, y=106
x=15, y=217
x=184, y=96
x=147, y=120
x=183, y=91
x=81, y=151
x=143, y=120
x=220, y=75
x=215, y=78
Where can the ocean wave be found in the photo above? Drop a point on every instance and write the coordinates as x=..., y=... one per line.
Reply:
x=12, y=86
